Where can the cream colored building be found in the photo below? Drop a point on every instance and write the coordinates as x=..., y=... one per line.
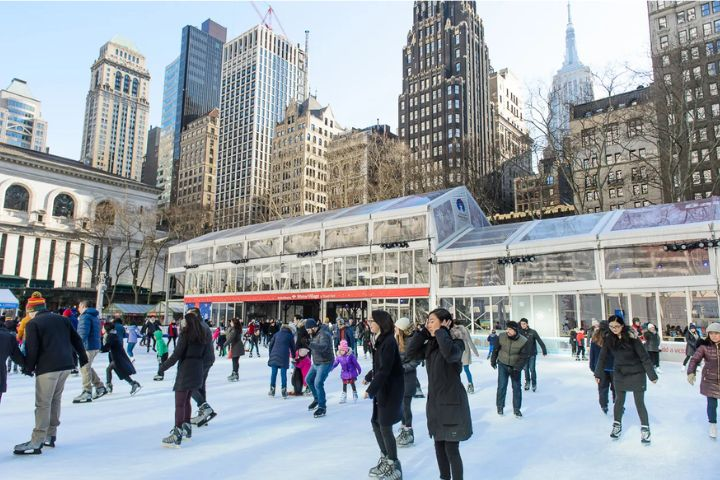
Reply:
x=197, y=167
x=298, y=167
x=117, y=110
x=614, y=154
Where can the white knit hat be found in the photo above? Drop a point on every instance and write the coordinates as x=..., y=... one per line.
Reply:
x=714, y=327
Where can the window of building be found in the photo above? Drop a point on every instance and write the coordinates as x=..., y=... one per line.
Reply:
x=17, y=198
x=663, y=42
x=696, y=178
x=705, y=9
x=64, y=206
x=707, y=176
x=457, y=67
x=662, y=23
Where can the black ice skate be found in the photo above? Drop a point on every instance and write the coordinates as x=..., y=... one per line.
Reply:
x=205, y=414
x=135, y=388
x=50, y=441
x=312, y=406
x=616, y=430
x=645, y=435
x=173, y=440
x=320, y=412
x=28, y=448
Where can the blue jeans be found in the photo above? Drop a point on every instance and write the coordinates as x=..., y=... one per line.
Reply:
x=712, y=404
x=530, y=375
x=316, y=381
x=283, y=376
x=505, y=372
x=130, y=347
x=467, y=373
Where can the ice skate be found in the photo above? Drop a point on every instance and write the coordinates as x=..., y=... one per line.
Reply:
x=713, y=430
x=527, y=387
x=50, y=441
x=205, y=414
x=173, y=440
x=406, y=438
x=616, y=430
x=234, y=377
x=534, y=388
x=343, y=397
x=312, y=406
x=645, y=435
x=517, y=413
x=375, y=471
x=500, y=411
x=470, y=388
x=102, y=391
x=74, y=372
x=135, y=388
x=355, y=396
x=284, y=392
x=391, y=470
x=320, y=412
x=186, y=430
x=271, y=393
x=159, y=378
x=84, y=397
x=28, y=448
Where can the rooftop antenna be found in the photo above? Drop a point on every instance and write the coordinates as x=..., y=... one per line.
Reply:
x=306, y=90
x=268, y=17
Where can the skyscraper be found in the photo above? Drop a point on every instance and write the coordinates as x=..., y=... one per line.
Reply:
x=116, y=110
x=262, y=73
x=150, y=165
x=444, y=108
x=191, y=90
x=21, y=122
x=572, y=85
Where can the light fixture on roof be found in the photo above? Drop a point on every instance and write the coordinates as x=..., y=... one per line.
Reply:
x=239, y=260
x=189, y=267
x=514, y=260
x=395, y=245
x=675, y=247
x=312, y=253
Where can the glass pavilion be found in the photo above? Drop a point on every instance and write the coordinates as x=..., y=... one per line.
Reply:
x=407, y=255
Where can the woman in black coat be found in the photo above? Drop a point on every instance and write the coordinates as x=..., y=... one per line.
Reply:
x=386, y=390
x=190, y=353
x=119, y=361
x=280, y=349
x=631, y=365
x=447, y=409
x=237, y=347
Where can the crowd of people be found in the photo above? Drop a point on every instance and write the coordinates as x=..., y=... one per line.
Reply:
x=622, y=357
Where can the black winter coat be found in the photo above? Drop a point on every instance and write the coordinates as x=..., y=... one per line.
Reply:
x=192, y=358
x=387, y=385
x=235, y=340
x=410, y=371
x=281, y=348
x=8, y=348
x=652, y=341
x=209, y=357
x=532, y=337
x=447, y=409
x=123, y=366
x=50, y=340
x=632, y=364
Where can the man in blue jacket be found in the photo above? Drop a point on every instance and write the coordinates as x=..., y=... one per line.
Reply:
x=89, y=330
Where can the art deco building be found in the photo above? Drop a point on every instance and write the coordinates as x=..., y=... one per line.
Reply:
x=116, y=110
x=298, y=168
x=197, y=166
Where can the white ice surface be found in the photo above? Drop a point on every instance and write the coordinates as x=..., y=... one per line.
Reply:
x=563, y=435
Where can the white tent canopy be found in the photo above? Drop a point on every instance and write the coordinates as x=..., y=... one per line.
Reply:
x=7, y=299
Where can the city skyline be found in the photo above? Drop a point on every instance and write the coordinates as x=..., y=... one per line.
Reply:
x=57, y=70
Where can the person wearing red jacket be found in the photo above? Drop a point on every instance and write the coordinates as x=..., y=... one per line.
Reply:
x=172, y=333
x=253, y=332
x=580, y=339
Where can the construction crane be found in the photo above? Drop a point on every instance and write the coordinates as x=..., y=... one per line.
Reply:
x=267, y=18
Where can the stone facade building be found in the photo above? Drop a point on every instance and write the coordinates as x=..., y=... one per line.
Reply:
x=298, y=168
x=117, y=110
x=197, y=166
x=614, y=152
x=549, y=188
x=444, y=109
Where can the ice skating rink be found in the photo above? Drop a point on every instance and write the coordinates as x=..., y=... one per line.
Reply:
x=563, y=434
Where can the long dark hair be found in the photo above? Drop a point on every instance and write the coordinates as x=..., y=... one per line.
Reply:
x=384, y=320
x=442, y=314
x=613, y=340
x=192, y=330
x=235, y=322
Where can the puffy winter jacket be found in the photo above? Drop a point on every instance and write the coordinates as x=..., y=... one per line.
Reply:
x=8, y=348
x=114, y=345
x=631, y=364
x=652, y=341
x=89, y=329
x=281, y=348
x=321, y=346
x=49, y=343
x=533, y=339
x=349, y=366
x=160, y=344
x=708, y=351
x=691, y=342
x=133, y=333
x=470, y=349
x=512, y=352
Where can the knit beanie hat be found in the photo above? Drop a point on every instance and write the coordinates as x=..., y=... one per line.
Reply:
x=714, y=327
x=67, y=313
x=512, y=324
x=36, y=303
x=343, y=347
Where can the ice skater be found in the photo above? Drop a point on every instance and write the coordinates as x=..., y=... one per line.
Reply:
x=692, y=337
x=349, y=369
x=280, y=349
x=469, y=351
x=509, y=359
x=321, y=348
x=237, y=347
x=605, y=385
x=533, y=339
x=199, y=395
x=631, y=366
x=162, y=353
x=119, y=361
x=708, y=350
x=404, y=330
x=9, y=350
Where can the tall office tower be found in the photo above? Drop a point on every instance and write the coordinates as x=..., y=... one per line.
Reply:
x=116, y=110
x=298, y=168
x=263, y=72
x=21, y=122
x=444, y=108
x=150, y=165
x=197, y=167
x=572, y=85
x=191, y=90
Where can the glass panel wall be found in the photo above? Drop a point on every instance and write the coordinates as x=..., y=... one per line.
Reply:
x=590, y=309
x=228, y=253
x=704, y=308
x=201, y=256
x=543, y=318
x=301, y=242
x=463, y=315
x=350, y=236
x=673, y=313
x=557, y=267
x=364, y=270
x=391, y=268
x=399, y=229
x=266, y=247
x=377, y=269
x=351, y=271
x=406, y=267
x=422, y=266
x=567, y=313
x=652, y=261
x=521, y=307
x=615, y=302
x=644, y=308
x=500, y=312
x=422, y=308
x=176, y=260
x=481, y=311
x=472, y=273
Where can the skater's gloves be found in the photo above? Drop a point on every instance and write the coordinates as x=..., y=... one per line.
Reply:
x=493, y=365
x=691, y=378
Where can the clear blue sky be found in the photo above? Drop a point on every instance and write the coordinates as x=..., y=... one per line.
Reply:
x=355, y=47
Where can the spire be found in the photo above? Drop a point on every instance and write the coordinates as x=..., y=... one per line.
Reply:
x=571, y=56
